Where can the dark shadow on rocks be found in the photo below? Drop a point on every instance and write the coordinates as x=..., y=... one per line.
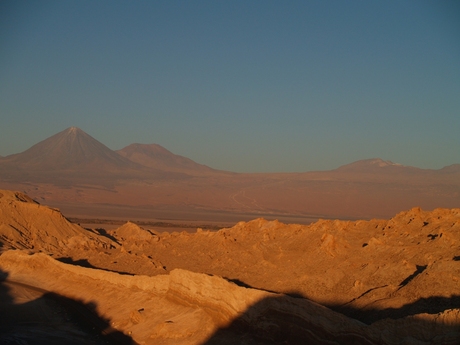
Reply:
x=430, y=305
x=103, y=232
x=286, y=320
x=245, y=285
x=418, y=270
x=81, y=262
x=87, y=264
x=238, y=282
x=51, y=319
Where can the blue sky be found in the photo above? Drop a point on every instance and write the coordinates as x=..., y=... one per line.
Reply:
x=247, y=86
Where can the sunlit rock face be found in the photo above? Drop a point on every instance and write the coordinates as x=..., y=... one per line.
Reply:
x=359, y=282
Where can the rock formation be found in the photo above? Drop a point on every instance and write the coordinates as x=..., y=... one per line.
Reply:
x=390, y=281
x=192, y=308
x=25, y=224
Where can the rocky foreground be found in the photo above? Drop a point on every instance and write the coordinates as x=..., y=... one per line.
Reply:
x=332, y=282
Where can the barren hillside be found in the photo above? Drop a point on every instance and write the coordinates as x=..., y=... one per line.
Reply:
x=260, y=282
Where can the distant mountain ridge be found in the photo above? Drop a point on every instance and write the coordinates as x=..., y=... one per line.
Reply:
x=71, y=167
x=372, y=162
x=375, y=165
x=74, y=149
x=157, y=157
x=451, y=168
x=71, y=149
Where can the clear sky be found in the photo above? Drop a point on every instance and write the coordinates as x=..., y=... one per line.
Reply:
x=247, y=86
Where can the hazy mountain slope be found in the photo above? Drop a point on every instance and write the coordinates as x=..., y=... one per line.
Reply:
x=69, y=150
x=73, y=158
x=374, y=165
x=454, y=168
x=157, y=157
x=72, y=167
x=380, y=171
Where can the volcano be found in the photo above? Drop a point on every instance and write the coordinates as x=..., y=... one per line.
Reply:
x=71, y=149
x=72, y=168
x=68, y=158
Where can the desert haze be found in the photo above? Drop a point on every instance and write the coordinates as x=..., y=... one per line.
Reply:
x=256, y=265
x=81, y=176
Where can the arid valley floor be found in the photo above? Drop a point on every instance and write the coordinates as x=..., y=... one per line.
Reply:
x=141, y=246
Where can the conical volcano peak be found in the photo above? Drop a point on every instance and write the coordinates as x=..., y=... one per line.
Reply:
x=70, y=149
x=76, y=135
x=73, y=130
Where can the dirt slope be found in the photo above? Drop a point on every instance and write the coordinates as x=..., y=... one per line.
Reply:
x=25, y=224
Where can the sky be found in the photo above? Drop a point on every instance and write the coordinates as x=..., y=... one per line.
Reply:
x=244, y=86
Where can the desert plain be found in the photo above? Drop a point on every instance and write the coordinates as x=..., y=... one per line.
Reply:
x=141, y=246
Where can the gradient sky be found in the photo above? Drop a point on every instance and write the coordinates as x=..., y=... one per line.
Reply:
x=247, y=86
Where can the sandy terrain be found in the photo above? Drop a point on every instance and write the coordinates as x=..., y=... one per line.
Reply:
x=393, y=281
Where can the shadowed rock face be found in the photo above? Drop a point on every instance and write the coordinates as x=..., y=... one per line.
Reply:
x=31, y=315
x=260, y=281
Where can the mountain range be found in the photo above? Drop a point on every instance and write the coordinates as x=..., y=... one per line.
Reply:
x=71, y=169
x=73, y=150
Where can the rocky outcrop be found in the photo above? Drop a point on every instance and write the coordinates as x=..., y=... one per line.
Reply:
x=132, y=232
x=192, y=308
x=25, y=224
x=368, y=270
x=366, y=282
